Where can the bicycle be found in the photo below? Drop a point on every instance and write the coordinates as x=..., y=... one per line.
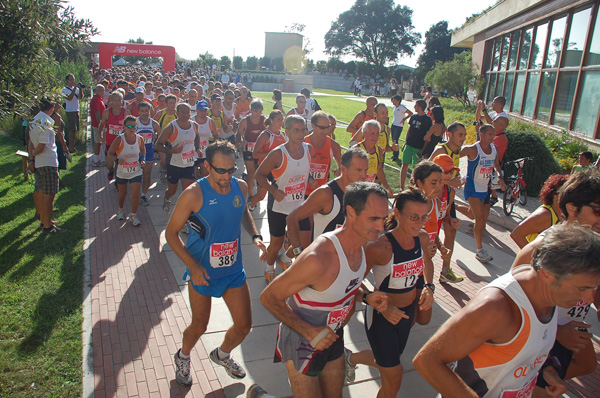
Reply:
x=516, y=188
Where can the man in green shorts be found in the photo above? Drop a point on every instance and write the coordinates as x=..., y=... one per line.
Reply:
x=419, y=124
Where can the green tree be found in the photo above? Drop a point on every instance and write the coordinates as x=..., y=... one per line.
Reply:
x=437, y=48
x=265, y=61
x=207, y=59
x=225, y=62
x=252, y=63
x=34, y=34
x=238, y=62
x=377, y=31
x=457, y=76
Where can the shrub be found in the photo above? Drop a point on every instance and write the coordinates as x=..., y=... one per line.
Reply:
x=565, y=148
x=523, y=142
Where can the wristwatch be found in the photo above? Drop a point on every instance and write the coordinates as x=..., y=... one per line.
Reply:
x=430, y=286
x=297, y=251
x=254, y=237
x=364, y=300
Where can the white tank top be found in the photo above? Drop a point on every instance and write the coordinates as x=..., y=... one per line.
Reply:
x=205, y=134
x=186, y=137
x=229, y=114
x=510, y=369
x=146, y=131
x=292, y=178
x=483, y=171
x=332, y=305
x=129, y=155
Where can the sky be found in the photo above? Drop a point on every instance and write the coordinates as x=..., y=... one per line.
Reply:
x=238, y=27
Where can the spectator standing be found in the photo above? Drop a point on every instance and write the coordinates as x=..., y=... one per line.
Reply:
x=45, y=160
x=401, y=113
x=72, y=95
x=419, y=125
x=97, y=108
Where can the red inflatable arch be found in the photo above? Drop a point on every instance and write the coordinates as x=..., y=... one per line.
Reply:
x=107, y=50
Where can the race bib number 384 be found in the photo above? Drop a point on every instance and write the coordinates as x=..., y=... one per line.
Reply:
x=223, y=254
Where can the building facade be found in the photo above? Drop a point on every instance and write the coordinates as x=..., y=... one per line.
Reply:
x=544, y=57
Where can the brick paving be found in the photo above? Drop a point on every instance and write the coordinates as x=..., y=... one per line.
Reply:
x=139, y=311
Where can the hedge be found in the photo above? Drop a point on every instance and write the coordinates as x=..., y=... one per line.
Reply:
x=526, y=142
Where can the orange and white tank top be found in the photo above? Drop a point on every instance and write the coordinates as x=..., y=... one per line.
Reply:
x=291, y=177
x=186, y=138
x=373, y=162
x=275, y=140
x=431, y=226
x=331, y=306
x=510, y=370
x=129, y=158
x=205, y=135
x=320, y=163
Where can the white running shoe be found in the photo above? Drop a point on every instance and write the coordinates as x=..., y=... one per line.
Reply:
x=182, y=372
x=135, y=221
x=233, y=368
x=483, y=256
x=120, y=215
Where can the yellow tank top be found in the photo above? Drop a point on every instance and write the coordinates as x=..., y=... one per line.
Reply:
x=383, y=139
x=531, y=237
x=455, y=158
x=165, y=119
x=373, y=162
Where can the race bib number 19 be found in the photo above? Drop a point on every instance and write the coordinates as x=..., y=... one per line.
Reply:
x=223, y=254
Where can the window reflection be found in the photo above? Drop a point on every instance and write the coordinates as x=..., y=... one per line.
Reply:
x=564, y=98
x=514, y=49
x=555, y=43
x=538, y=48
x=576, y=42
x=525, y=48
x=588, y=100
x=532, y=86
x=545, y=100
x=519, y=87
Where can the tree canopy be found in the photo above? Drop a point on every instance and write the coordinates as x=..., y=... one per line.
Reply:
x=458, y=76
x=35, y=34
x=437, y=48
x=377, y=31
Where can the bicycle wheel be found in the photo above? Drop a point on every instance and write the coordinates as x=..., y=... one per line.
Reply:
x=523, y=196
x=508, y=201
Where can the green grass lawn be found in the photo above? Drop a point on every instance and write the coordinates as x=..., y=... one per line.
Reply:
x=344, y=110
x=40, y=284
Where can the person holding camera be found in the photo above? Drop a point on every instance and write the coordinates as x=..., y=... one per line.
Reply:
x=72, y=95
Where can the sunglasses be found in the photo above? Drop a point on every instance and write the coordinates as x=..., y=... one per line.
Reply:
x=224, y=171
x=129, y=126
x=322, y=127
x=415, y=218
x=595, y=209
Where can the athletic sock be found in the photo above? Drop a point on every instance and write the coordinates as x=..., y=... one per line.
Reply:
x=445, y=269
x=183, y=356
x=95, y=158
x=222, y=354
x=285, y=258
x=269, y=268
x=480, y=250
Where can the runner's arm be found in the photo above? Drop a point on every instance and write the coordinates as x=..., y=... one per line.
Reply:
x=382, y=179
x=189, y=202
x=248, y=222
x=305, y=271
x=103, y=121
x=162, y=139
x=353, y=126
x=260, y=142
x=337, y=155
x=538, y=221
x=111, y=153
x=317, y=202
x=272, y=160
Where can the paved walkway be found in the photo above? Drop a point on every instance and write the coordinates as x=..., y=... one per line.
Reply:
x=139, y=308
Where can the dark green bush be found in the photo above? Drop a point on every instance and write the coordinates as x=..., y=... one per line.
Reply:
x=527, y=142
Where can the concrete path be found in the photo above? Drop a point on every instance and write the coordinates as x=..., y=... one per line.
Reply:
x=139, y=308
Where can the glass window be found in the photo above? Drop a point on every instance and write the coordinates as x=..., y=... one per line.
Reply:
x=504, y=56
x=514, y=49
x=545, y=100
x=510, y=77
x=556, y=42
x=576, y=42
x=525, y=48
x=496, y=54
x=518, y=96
x=532, y=86
x=491, y=86
x=499, y=85
x=593, y=57
x=487, y=85
x=537, y=55
x=588, y=100
x=564, y=98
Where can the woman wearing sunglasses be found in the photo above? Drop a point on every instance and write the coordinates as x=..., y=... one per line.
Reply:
x=579, y=202
x=129, y=151
x=396, y=259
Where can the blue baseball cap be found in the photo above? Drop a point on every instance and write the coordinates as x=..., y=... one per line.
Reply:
x=201, y=105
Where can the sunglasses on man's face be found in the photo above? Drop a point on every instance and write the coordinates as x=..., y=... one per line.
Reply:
x=219, y=170
x=129, y=126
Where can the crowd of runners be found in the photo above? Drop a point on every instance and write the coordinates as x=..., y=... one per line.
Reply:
x=331, y=226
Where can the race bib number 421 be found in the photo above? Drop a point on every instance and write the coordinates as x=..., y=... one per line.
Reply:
x=223, y=254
